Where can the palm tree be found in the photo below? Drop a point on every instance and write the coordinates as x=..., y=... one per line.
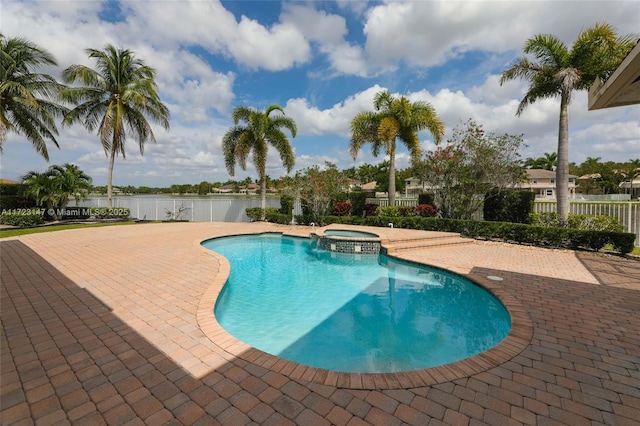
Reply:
x=558, y=71
x=253, y=136
x=119, y=95
x=549, y=160
x=394, y=118
x=26, y=105
x=42, y=188
x=72, y=181
x=52, y=188
x=630, y=172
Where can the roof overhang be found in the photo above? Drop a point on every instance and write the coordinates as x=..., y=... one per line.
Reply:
x=622, y=87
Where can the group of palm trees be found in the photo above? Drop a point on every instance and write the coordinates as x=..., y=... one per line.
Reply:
x=121, y=94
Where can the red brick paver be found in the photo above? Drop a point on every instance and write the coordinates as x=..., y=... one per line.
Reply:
x=110, y=326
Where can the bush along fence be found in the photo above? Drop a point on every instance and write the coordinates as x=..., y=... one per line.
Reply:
x=621, y=242
x=626, y=212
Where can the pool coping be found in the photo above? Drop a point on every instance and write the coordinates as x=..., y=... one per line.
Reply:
x=519, y=337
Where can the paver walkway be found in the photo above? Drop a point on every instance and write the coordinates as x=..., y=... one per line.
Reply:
x=100, y=326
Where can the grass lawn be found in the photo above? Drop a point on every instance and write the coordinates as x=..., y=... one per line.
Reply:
x=12, y=232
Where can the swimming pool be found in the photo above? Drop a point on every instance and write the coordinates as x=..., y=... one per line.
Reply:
x=348, y=312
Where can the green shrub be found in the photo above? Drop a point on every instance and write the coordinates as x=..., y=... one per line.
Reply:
x=277, y=217
x=389, y=211
x=426, y=198
x=514, y=232
x=11, y=197
x=622, y=242
x=370, y=209
x=22, y=218
x=508, y=206
x=585, y=222
x=346, y=220
x=255, y=213
x=595, y=223
x=358, y=200
x=286, y=204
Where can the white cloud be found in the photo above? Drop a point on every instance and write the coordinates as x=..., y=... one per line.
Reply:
x=430, y=33
x=335, y=120
x=204, y=54
x=189, y=84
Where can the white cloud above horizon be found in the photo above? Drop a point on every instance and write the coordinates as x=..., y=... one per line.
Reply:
x=323, y=62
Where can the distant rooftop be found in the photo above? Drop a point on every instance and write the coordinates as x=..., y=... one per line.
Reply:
x=542, y=174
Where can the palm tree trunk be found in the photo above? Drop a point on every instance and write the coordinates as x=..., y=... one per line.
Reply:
x=112, y=159
x=562, y=170
x=263, y=195
x=392, y=177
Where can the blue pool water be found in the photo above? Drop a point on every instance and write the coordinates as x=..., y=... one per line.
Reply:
x=348, y=233
x=351, y=313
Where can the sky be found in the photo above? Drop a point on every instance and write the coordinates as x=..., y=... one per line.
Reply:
x=323, y=62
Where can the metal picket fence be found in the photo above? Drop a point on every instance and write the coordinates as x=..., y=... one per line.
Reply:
x=197, y=209
x=627, y=212
x=232, y=209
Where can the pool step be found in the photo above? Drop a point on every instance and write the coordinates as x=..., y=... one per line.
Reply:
x=424, y=243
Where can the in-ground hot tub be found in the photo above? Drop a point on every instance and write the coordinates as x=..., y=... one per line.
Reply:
x=348, y=241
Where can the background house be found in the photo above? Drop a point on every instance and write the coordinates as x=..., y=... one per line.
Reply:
x=543, y=183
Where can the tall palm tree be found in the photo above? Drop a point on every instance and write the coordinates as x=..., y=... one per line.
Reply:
x=253, y=136
x=557, y=72
x=394, y=118
x=27, y=97
x=119, y=95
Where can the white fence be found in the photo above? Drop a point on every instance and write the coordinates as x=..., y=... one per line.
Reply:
x=628, y=213
x=232, y=209
x=400, y=202
x=197, y=209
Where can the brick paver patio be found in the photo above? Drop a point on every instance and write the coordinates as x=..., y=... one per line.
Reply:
x=109, y=326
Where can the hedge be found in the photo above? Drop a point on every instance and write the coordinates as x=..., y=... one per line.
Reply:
x=508, y=206
x=271, y=214
x=11, y=197
x=622, y=242
x=22, y=218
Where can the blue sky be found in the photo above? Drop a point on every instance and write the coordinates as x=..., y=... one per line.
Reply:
x=322, y=62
